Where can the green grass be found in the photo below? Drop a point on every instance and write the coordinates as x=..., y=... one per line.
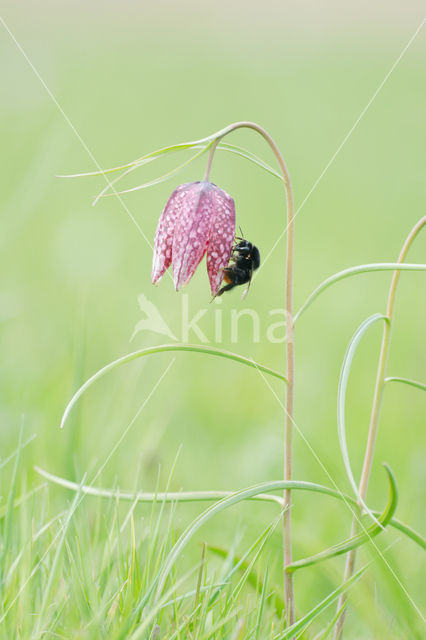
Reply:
x=84, y=566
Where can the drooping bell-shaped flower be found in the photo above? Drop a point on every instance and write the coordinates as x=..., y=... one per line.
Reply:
x=198, y=218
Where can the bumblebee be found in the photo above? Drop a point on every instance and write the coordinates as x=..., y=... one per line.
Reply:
x=245, y=258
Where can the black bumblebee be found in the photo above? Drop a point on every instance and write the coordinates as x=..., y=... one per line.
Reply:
x=245, y=259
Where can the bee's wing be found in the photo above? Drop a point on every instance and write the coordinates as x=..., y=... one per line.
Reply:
x=248, y=286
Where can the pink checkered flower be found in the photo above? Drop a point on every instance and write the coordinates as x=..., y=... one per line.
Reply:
x=198, y=218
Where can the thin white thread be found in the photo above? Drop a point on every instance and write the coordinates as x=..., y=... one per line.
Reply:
x=92, y=157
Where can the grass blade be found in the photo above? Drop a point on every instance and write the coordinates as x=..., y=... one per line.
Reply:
x=9, y=458
x=319, y=608
x=150, y=183
x=218, y=507
x=9, y=509
x=324, y=634
x=261, y=606
x=353, y=271
x=248, y=155
x=244, y=565
x=239, y=151
x=341, y=401
x=145, y=159
x=409, y=532
x=22, y=498
x=54, y=566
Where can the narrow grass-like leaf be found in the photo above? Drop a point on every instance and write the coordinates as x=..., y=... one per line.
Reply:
x=184, y=624
x=22, y=498
x=261, y=606
x=353, y=271
x=6, y=461
x=206, y=142
x=54, y=567
x=161, y=349
x=150, y=616
x=243, y=564
x=166, y=176
x=220, y=506
x=142, y=160
x=248, y=155
x=409, y=532
x=324, y=634
x=200, y=575
x=239, y=151
x=341, y=401
x=212, y=632
x=239, y=563
x=319, y=608
x=411, y=383
x=9, y=509
x=156, y=530
x=209, y=496
x=360, y=538
x=48, y=525
x=192, y=593
x=240, y=629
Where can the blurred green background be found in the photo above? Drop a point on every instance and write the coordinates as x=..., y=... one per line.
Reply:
x=132, y=77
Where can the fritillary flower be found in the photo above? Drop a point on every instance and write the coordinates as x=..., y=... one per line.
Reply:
x=198, y=218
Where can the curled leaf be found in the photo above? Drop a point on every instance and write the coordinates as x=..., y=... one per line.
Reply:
x=341, y=401
x=360, y=538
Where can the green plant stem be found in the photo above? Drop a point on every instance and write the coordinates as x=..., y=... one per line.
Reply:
x=375, y=411
x=210, y=159
x=289, y=410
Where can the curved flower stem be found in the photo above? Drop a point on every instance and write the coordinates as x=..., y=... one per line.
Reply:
x=289, y=410
x=375, y=411
x=210, y=159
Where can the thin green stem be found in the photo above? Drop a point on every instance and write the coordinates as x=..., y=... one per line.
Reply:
x=288, y=426
x=375, y=411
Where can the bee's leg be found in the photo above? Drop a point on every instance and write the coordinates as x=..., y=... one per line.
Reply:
x=227, y=287
x=227, y=272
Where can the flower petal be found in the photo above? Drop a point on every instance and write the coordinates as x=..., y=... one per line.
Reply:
x=221, y=238
x=192, y=230
x=165, y=230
